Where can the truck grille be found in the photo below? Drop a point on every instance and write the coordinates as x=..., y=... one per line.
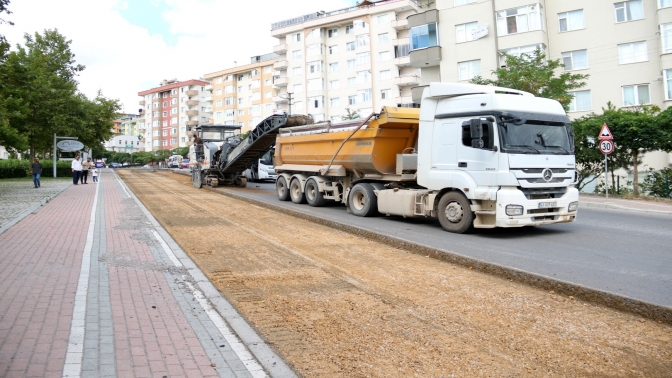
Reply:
x=531, y=171
x=542, y=193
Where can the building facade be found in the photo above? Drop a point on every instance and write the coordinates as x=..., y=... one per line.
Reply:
x=625, y=47
x=124, y=143
x=242, y=95
x=354, y=58
x=170, y=111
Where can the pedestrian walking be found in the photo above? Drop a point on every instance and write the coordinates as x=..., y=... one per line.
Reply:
x=94, y=174
x=76, y=170
x=86, y=165
x=37, y=171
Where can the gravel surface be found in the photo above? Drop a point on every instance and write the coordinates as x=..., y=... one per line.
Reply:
x=18, y=195
x=334, y=304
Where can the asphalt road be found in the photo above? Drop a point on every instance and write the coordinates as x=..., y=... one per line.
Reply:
x=623, y=252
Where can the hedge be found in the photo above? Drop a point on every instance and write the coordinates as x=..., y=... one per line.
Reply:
x=13, y=168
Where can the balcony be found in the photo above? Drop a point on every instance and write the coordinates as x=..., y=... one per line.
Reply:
x=192, y=92
x=142, y=102
x=207, y=99
x=192, y=102
x=192, y=112
x=280, y=65
x=191, y=123
x=208, y=87
x=279, y=100
x=399, y=24
x=280, y=49
x=400, y=41
x=403, y=100
x=404, y=61
x=427, y=57
x=280, y=81
x=407, y=80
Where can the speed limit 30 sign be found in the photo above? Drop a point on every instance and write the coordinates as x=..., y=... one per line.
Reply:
x=606, y=147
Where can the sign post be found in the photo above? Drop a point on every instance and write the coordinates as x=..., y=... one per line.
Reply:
x=606, y=147
x=67, y=146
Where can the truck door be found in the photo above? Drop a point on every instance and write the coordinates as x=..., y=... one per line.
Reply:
x=444, y=154
x=480, y=160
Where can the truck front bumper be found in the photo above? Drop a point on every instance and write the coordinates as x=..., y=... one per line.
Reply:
x=514, y=209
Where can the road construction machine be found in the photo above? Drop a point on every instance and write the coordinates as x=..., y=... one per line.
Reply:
x=472, y=156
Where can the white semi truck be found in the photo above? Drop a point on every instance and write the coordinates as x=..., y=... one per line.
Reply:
x=472, y=156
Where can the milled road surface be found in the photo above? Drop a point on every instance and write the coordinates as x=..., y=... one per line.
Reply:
x=622, y=252
x=336, y=305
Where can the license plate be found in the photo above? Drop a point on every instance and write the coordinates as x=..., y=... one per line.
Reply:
x=544, y=205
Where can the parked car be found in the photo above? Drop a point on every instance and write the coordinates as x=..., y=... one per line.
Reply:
x=115, y=165
x=184, y=163
x=100, y=164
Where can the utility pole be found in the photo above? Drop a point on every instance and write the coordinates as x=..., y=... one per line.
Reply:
x=289, y=99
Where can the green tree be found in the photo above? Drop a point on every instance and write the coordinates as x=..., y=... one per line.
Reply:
x=182, y=151
x=534, y=74
x=10, y=137
x=658, y=184
x=350, y=114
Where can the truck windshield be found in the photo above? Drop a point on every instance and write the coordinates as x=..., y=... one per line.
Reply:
x=535, y=137
x=267, y=159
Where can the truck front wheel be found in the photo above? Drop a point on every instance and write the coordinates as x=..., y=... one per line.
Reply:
x=282, y=189
x=455, y=213
x=313, y=195
x=363, y=201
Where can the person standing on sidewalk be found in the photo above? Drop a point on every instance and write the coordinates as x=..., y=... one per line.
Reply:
x=37, y=170
x=76, y=170
x=85, y=171
x=94, y=174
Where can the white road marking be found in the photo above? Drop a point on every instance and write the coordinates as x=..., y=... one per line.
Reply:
x=75, y=352
x=167, y=250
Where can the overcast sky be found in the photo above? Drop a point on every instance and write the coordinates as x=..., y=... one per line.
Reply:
x=131, y=45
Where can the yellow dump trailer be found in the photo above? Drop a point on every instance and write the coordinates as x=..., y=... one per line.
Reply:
x=370, y=148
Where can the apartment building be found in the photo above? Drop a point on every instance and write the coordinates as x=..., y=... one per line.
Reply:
x=355, y=58
x=242, y=95
x=129, y=124
x=625, y=47
x=170, y=111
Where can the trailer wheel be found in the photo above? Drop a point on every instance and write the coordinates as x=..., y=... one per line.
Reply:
x=313, y=195
x=295, y=191
x=282, y=189
x=363, y=201
x=455, y=213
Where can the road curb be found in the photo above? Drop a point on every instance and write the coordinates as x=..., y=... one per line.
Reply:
x=30, y=210
x=604, y=298
x=608, y=205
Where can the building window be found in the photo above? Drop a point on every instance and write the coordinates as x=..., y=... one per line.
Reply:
x=315, y=66
x=332, y=33
x=349, y=28
x=165, y=95
x=571, y=20
x=230, y=113
x=228, y=78
x=296, y=54
x=385, y=75
x=173, y=111
x=315, y=33
x=335, y=102
x=218, y=80
x=296, y=71
x=228, y=89
x=580, y=101
x=241, y=77
x=424, y=36
x=268, y=82
x=254, y=110
x=470, y=69
x=315, y=84
x=363, y=77
x=383, y=38
x=165, y=133
x=333, y=67
x=462, y=2
x=334, y=84
x=228, y=101
x=383, y=19
x=218, y=92
x=352, y=81
x=666, y=35
x=164, y=114
x=173, y=131
x=314, y=49
x=362, y=40
x=519, y=20
x=241, y=100
x=352, y=100
x=463, y=31
x=363, y=58
x=636, y=95
x=360, y=24
x=629, y=11
x=385, y=94
x=298, y=88
x=350, y=46
x=268, y=70
x=667, y=76
x=664, y=3
x=632, y=53
x=165, y=104
x=173, y=121
x=316, y=102
x=575, y=60
x=256, y=96
x=241, y=112
x=333, y=50
x=296, y=37
x=351, y=63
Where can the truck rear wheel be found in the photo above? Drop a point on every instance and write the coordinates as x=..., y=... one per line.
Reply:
x=363, y=201
x=313, y=195
x=282, y=189
x=295, y=191
x=455, y=213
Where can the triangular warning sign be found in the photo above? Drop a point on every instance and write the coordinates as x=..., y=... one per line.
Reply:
x=605, y=133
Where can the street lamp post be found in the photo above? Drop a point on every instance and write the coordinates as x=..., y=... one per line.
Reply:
x=55, y=141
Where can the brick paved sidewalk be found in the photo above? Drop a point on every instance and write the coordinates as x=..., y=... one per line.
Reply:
x=92, y=286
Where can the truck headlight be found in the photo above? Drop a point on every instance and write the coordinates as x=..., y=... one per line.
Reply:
x=514, y=210
x=573, y=206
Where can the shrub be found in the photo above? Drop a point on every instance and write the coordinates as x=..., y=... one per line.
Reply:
x=658, y=184
x=13, y=168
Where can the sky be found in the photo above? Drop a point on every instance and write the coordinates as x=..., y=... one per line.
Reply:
x=129, y=46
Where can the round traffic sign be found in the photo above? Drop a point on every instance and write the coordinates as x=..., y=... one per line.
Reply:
x=606, y=147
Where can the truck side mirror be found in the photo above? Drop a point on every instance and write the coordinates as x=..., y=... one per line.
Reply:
x=476, y=129
x=477, y=143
